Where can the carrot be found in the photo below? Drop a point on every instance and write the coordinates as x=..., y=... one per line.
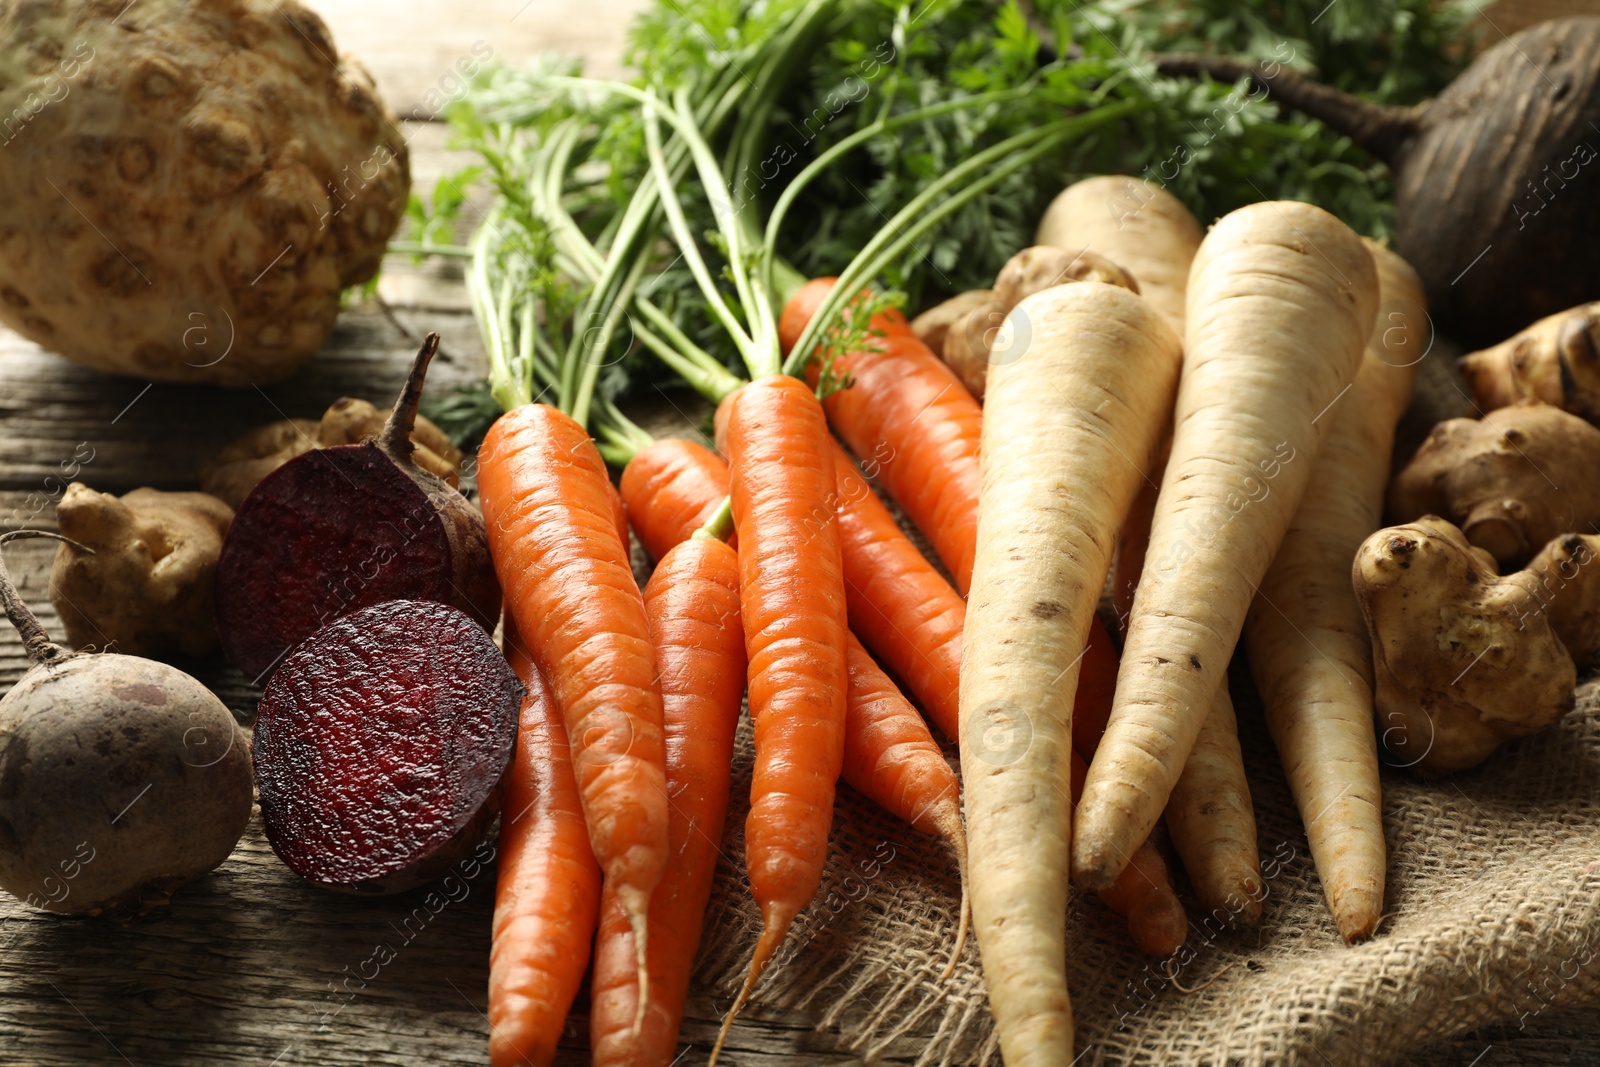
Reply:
x=803, y=304
x=1212, y=823
x=892, y=760
x=791, y=587
x=571, y=593
x=900, y=607
x=889, y=755
x=909, y=416
x=1072, y=420
x=548, y=889
x=671, y=489
x=1280, y=301
x=692, y=602
x=1139, y=226
x=1307, y=642
x=1143, y=893
x=619, y=515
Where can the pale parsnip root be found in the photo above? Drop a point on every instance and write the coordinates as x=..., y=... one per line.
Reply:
x=1139, y=226
x=1308, y=645
x=1281, y=299
x=1213, y=824
x=1072, y=420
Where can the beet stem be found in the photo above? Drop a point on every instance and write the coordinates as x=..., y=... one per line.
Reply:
x=396, y=437
x=1381, y=130
x=35, y=641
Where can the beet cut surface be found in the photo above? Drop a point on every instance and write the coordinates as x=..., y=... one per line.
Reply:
x=380, y=746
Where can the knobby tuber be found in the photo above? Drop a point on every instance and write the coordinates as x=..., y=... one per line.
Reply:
x=933, y=325
x=208, y=179
x=1569, y=587
x=1556, y=360
x=240, y=466
x=145, y=587
x=968, y=342
x=1464, y=659
x=337, y=529
x=381, y=743
x=121, y=778
x=1511, y=480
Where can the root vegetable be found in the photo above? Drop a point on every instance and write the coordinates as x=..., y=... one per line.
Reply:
x=1512, y=480
x=932, y=326
x=547, y=890
x=339, y=529
x=1072, y=419
x=121, y=778
x=1489, y=204
x=1212, y=823
x=1281, y=300
x=240, y=466
x=1570, y=590
x=670, y=490
x=1308, y=646
x=381, y=743
x=1029, y=271
x=1464, y=659
x=147, y=585
x=207, y=180
x=1139, y=226
x=1556, y=360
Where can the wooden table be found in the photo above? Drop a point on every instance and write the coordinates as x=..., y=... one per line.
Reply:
x=251, y=965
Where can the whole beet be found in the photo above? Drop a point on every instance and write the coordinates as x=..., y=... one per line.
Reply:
x=120, y=778
x=1497, y=179
x=335, y=530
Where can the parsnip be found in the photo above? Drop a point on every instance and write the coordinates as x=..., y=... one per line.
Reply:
x=1281, y=299
x=1139, y=226
x=1078, y=392
x=1307, y=642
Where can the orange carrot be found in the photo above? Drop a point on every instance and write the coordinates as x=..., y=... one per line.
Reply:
x=671, y=489
x=909, y=416
x=692, y=601
x=803, y=304
x=892, y=760
x=900, y=606
x=791, y=588
x=1143, y=892
x=619, y=515
x=548, y=889
x=571, y=593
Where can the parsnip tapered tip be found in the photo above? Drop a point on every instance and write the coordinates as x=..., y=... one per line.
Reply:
x=1356, y=913
x=1091, y=870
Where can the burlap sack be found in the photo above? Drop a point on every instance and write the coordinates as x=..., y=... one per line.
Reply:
x=1493, y=916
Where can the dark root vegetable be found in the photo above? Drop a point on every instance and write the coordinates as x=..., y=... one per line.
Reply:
x=1497, y=180
x=120, y=778
x=380, y=746
x=338, y=529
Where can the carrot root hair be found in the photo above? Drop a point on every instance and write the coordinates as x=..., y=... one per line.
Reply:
x=636, y=905
x=772, y=935
x=948, y=818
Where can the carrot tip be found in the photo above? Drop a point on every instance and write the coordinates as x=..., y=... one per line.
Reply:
x=772, y=935
x=956, y=835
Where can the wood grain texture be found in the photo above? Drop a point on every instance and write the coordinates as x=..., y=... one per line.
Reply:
x=251, y=965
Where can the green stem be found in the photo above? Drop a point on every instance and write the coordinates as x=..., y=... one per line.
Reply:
x=719, y=527
x=920, y=215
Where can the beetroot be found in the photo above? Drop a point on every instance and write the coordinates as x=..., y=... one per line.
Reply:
x=381, y=743
x=337, y=529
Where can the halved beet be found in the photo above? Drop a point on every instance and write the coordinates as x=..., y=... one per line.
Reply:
x=337, y=529
x=380, y=746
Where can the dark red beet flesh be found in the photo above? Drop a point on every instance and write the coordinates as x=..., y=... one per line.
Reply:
x=380, y=745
